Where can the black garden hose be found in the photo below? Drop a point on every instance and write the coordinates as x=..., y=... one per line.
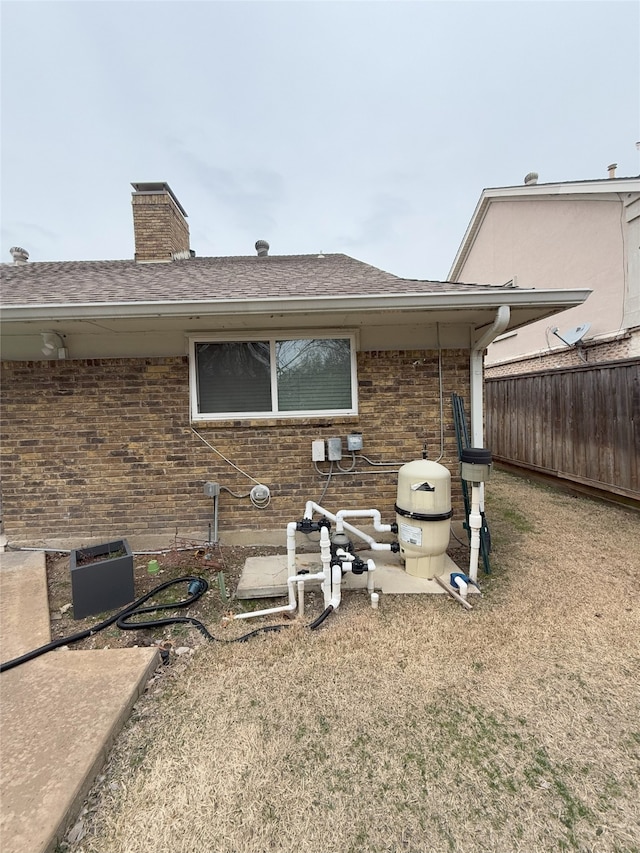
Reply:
x=124, y=620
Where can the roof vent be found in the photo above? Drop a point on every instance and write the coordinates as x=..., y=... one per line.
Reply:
x=531, y=178
x=611, y=168
x=262, y=248
x=20, y=256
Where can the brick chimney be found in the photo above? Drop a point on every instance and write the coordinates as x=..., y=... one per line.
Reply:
x=159, y=224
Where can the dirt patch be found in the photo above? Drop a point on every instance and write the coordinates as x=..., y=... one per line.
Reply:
x=220, y=567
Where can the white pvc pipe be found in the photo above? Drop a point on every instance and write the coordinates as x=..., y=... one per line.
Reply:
x=336, y=587
x=325, y=553
x=292, y=605
x=312, y=507
x=362, y=513
x=371, y=567
x=463, y=586
x=300, y=598
x=475, y=523
x=291, y=548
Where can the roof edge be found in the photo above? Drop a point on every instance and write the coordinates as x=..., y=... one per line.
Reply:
x=557, y=299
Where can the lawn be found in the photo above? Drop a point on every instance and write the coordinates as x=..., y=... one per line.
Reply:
x=418, y=727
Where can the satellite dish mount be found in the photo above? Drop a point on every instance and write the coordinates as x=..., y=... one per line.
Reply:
x=575, y=334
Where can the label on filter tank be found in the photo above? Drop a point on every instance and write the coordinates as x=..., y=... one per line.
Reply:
x=409, y=533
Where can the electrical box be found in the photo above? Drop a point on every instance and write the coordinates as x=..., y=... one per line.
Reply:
x=334, y=449
x=317, y=450
x=354, y=441
x=212, y=490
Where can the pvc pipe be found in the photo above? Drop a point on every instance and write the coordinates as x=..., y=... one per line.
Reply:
x=362, y=513
x=475, y=523
x=325, y=553
x=300, y=598
x=462, y=585
x=452, y=593
x=375, y=600
x=286, y=608
x=291, y=548
x=371, y=567
x=336, y=584
x=312, y=507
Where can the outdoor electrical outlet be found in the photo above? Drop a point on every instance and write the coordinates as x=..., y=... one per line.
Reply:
x=212, y=490
x=317, y=450
x=334, y=446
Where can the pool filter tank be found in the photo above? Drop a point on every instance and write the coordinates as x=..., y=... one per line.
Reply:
x=423, y=515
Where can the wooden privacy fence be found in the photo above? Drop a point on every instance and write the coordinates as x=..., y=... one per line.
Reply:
x=580, y=423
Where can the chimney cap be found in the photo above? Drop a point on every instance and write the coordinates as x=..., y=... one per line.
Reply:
x=262, y=248
x=155, y=187
x=531, y=178
x=611, y=168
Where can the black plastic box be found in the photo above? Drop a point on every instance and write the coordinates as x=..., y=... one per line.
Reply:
x=101, y=578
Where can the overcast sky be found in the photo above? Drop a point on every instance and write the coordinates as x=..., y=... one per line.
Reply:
x=368, y=128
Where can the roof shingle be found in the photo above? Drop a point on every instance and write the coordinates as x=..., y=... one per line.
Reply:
x=208, y=279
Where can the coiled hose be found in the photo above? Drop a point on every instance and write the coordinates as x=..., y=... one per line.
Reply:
x=125, y=620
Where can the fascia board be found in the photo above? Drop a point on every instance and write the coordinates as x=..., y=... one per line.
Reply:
x=450, y=300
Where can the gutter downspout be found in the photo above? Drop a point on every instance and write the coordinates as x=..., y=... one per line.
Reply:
x=498, y=326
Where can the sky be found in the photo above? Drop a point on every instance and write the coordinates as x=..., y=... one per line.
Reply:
x=355, y=126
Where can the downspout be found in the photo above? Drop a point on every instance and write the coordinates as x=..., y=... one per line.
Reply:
x=498, y=326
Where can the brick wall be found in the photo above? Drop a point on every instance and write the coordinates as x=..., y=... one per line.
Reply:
x=159, y=227
x=104, y=448
x=589, y=352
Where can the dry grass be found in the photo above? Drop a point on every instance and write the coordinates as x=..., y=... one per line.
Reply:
x=419, y=727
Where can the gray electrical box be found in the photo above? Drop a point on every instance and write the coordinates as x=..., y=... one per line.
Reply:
x=334, y=449
x=354, y=441
x=212, y=490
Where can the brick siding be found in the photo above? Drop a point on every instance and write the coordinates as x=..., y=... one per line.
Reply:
x=104, y=448
x=590, y=352
x=160, y=229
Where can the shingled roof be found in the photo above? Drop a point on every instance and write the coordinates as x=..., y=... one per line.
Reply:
x=207, y=279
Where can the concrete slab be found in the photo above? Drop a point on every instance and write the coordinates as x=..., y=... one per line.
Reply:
x=59, y=715
x=266, y=577
x=24, y=605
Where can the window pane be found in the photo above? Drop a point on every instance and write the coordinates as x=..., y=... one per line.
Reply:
x=233, y=377
x=314, y=374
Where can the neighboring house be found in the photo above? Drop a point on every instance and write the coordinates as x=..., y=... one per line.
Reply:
x=563, y=396
x=127, y=385
x=582, y=234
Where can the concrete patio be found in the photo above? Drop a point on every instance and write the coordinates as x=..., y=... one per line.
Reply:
x=59, y=713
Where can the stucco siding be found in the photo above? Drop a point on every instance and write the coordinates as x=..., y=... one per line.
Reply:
x=551, y=244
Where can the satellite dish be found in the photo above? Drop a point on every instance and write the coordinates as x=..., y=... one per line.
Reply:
x=572, y=336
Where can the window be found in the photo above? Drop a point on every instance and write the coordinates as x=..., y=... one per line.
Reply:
x=272, y=377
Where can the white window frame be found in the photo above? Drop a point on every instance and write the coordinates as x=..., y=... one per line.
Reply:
x=271, y=337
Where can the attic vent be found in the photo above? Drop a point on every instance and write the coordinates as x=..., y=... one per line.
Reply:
x=262, y=248
x=20, y=256
x=531, y=178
